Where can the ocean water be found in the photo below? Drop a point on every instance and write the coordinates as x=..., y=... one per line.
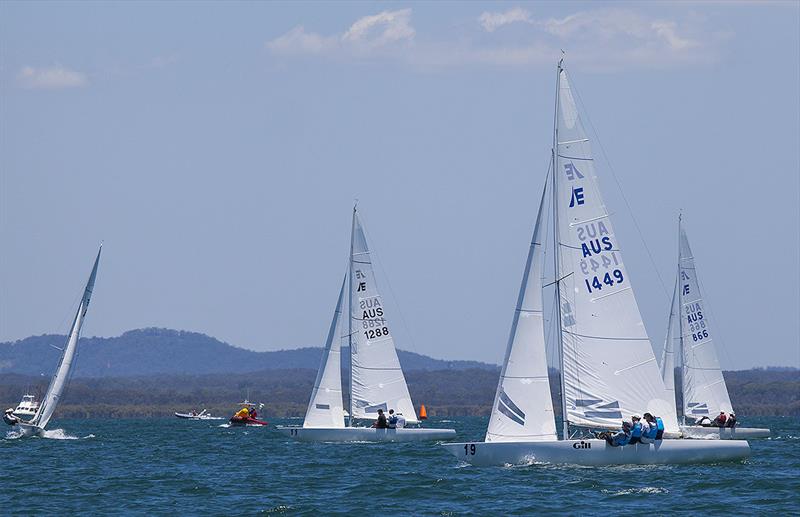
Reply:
x=165, y=466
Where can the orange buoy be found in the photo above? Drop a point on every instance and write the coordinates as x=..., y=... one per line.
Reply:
x=423, y=415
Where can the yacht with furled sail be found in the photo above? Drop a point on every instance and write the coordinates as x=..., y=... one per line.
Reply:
x=377, y=382
x=608, y=368
x=705, y=394
x=35, y=425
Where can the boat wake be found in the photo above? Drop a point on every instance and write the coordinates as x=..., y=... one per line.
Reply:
x=634, y=491
x=53, y=434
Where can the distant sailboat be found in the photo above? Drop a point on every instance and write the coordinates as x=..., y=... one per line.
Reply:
x=705, y=393
x=376, y=378
x=58, y=383
x=609, y=370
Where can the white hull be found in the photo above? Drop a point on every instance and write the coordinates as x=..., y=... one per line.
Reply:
x=724, y=433
x=189, y=416
x=597, y=452
x=28, y=429
x=365, y=434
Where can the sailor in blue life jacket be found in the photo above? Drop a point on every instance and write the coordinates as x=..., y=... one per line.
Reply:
x=636, y=431
x=659, y=426
x=622, y=437
x=650, y=433
x=392, y=419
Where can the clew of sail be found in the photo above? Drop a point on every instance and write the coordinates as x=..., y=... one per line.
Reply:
x=523, y=407
x=704, y=389
x=325, y=409
x=610, y=370
x=377, y=379
x=59, y=381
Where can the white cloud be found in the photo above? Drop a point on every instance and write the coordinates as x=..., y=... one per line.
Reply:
x=51, y=78
x=493, y=21
x=381, y=29
x=605, y=38
x=372, y=34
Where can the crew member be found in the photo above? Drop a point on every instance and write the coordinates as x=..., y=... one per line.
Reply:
x=380, y=423
x=720, y=420
x=636, y=430
x=392, y=419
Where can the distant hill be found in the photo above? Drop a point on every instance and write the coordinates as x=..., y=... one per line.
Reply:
x=156, y=351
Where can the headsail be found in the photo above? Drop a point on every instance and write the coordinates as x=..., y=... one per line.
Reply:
x=668, y=354
x=704, y=389
x=523, y=407
x=59, y=381
x=325, y=409
x=610, y=370
x=377, y=379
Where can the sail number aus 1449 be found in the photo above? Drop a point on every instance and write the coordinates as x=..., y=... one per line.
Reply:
x=609, y=279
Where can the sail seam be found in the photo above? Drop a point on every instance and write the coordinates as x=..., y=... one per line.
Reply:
x=608, y=338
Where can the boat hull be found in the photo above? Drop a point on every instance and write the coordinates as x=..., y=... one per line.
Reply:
x=28, y=430
x=597, y=452
x=724, y=433
x=365, y=434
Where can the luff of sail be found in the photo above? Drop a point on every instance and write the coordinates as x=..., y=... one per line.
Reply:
x=59, y=380
x=523, y=407
x=377, y=379
x=325, y=409
x=610, y=370
x=704, y=389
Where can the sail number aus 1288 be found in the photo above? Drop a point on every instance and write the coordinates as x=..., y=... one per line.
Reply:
x=596, y=284
x=375, y=333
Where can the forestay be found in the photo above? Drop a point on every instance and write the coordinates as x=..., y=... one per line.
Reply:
x=523, y=407
x=325, y=409
x=59, y=381
x=377, y=379
x=704, y=389
x=668, y=354
x=610, y=370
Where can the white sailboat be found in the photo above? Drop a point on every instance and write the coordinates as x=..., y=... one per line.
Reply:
x=705, y=393
x=376, y=378
x=609, y=371
x=58, y=383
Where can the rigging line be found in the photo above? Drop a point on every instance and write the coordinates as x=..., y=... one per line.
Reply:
x=619, y=186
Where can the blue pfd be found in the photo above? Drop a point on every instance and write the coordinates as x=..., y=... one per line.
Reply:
x=636, y=432
x=653, y=431
x=659, y=424
x=621, y=439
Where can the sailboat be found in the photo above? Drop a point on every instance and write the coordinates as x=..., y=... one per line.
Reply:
x=608, y=369
x=36, y=425
x=376, y=378
x=705, y=393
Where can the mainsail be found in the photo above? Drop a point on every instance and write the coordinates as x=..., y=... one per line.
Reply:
x=523, y=407
x=325, y=409
x=610, y=370
x=59, y=381
x=377, y=380
x=704, y=389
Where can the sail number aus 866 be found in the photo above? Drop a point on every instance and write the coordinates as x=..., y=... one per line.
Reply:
x=376, y=333
x=597, y=282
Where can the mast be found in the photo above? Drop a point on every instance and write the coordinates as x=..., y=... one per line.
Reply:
x=680, y=326
x=556, y=256
x=350, y=317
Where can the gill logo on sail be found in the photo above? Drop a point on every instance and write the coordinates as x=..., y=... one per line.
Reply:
x=507, y=407
x=696, y=408
x=595, y=408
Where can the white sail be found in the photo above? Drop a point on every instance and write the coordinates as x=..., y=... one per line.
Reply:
x=610, y=370
x=377, y=379
x=668, y=354
x=59, y=381
x=523, y=407
x=704, y=389
x=325, y=409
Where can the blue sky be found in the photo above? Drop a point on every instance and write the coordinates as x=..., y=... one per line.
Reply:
x=217, y=149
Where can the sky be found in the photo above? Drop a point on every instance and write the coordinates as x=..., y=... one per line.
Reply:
x=217, y=151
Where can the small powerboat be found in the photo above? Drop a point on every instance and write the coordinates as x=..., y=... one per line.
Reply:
x=194, y=415
x=247, y=415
